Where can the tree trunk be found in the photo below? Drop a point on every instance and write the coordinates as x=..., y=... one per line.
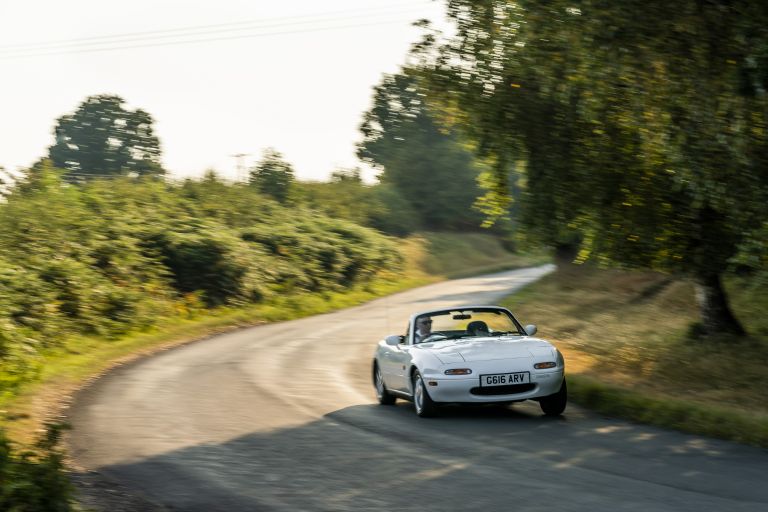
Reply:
x=716, y=315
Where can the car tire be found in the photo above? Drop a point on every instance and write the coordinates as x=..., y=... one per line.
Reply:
x=422, y=402
x=382, y=394
x=554, y=405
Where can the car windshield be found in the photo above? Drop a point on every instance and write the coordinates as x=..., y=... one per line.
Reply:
x=465, y=323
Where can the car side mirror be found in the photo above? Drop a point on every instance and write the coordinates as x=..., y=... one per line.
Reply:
x=531, y=329
x=394, y=339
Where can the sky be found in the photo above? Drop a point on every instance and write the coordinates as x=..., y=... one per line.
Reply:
x=220, y=78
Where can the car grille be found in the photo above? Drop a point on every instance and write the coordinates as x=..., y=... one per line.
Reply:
x=502, y=390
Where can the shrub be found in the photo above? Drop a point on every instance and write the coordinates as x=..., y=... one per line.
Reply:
x=205, y=259
x=34, y=480
x=106, y=257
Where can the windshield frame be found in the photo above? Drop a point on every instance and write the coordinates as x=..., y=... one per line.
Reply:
x=464, y=310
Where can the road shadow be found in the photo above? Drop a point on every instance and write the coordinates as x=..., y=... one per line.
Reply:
x=370, y=457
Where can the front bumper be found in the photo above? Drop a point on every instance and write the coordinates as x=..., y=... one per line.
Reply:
x=467, y=389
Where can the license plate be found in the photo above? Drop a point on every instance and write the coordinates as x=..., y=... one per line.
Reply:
x=505, y=379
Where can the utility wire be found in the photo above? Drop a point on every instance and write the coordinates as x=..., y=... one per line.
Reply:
x=277, y=21
x=199, y=40
x=192, y=34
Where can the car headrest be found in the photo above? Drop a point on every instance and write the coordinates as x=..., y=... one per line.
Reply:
x=477, y=328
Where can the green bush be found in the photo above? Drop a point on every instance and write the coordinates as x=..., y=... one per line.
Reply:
x=202, y=261
x=26, y=300
x=107, y=257
x=379, y=206
x=34, y=480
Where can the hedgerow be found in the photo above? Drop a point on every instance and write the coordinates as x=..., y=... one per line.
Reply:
x=106, y=257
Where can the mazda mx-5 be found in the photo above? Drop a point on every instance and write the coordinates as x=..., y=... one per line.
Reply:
x=469, y=355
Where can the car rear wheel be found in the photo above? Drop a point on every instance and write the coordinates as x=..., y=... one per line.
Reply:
x=382, y=395
x=554, y=405
x=422, y=402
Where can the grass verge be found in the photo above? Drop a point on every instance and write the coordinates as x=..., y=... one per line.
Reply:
x=679, y=414
x=629, y=352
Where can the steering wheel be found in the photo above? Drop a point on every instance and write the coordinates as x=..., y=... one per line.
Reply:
x=435, y=336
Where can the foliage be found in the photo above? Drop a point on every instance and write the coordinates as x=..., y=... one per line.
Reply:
x=427, y=167
x=102, y=137
x=207, y=260
x=34, y=480
x=111, y=256
x=392, y=213
x=378, y=206
x=642, y=125
x=272, y=175
x=334, y=253
x=6, y=181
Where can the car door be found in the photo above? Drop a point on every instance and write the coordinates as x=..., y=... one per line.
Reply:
x=389, y=361
x=401, y=361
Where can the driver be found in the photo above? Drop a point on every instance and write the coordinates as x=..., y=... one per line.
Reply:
x=423, y=328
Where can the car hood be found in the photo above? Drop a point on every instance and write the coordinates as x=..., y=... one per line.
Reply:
x=487, y=349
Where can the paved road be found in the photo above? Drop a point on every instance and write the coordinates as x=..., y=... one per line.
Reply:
x=282, y=418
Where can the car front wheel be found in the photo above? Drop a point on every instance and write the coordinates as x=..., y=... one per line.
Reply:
x=382, y=395
x=422, y=402
x=554, y=405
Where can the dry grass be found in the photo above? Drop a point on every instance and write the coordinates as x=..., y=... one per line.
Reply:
x=456, y=255
x=630, y=331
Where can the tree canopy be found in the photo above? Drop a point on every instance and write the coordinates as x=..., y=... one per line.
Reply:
x=642, y=125
x=102, y=137
x=346, y=196
x=428, y=167
x=272, y=175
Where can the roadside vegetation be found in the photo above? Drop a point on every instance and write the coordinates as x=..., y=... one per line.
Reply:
x=33, y=479
x=96, y=273
x=634, y=349
x=116, y=256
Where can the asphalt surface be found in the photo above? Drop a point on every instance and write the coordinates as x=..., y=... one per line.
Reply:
x=282, y=417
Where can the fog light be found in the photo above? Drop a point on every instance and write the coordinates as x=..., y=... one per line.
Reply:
x=458, y=371
x=542, y=366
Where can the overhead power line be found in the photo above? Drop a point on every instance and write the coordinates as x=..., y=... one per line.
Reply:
x=265, y=22
x=220, y=32
x=204, y=40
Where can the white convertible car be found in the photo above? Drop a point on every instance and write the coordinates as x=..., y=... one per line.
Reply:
x=469, y=355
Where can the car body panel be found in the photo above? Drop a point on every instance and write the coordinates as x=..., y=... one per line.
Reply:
x=484, y=349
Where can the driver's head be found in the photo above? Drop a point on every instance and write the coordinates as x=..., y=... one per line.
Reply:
x=424, y=325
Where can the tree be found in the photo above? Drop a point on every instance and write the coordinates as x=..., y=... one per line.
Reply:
x=347, y=176
x=346, y=196
x=6, y=181
x=273, y=176
x=642, y=124
x=429, y=168
x=103, y=138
